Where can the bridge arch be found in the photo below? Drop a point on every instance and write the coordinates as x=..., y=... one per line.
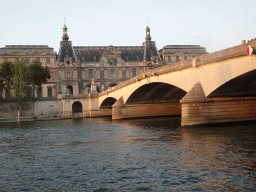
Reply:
x=156, y=92
x=242, y=85
x=211, y=75
x=107, y=103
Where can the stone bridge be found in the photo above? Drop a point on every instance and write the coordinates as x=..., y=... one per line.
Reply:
x=212, y=88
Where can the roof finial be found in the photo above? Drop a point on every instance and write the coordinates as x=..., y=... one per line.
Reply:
x=64, y=20
x=65, y=32
x=148, y=38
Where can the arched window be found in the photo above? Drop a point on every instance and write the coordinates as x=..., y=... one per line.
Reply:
x=69, y=90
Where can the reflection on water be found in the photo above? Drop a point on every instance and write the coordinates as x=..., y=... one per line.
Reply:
x=128, y=155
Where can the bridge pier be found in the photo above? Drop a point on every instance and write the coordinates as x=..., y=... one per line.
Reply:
x=122, y=111
x=197, y=109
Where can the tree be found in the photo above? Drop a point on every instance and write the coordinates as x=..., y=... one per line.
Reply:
x=38, y=74
x=21, y=84
x=6, y=77
x=1, y=86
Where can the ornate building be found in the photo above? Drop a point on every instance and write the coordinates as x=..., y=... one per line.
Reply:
x=106, y=65
x=75, y=67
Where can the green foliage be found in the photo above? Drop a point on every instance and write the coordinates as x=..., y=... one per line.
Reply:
x=1, y=85
x=22, y=79
x=38, y=74
x=21, y=83
x=6, y=76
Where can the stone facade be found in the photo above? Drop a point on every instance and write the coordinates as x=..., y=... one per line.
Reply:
x=42, y=53
x=175, y=53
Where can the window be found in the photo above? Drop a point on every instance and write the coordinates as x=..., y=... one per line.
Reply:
x=49, y=91
x=133, y=72
x=185, y=57
x=193, y=56
x=177, y=58
x=6, y=59
x=124, y=74
x=27, y=60
x=102, y=76
x=69, y=76
x=169, y=58
x=112, y=73
x=47, y=59
x=17, y=59
x=53, y=75
x=38, y=59
x=90, y=74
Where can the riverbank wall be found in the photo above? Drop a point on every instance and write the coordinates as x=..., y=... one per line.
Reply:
x=37, y=110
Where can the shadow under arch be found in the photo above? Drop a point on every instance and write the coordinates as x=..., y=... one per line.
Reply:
x=240, y=86
x=107, y=103
x=156, y=92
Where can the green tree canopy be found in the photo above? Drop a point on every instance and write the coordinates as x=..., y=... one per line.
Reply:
x=21, y=83
x=1, y=85
x=6, y=75
x=38, y=74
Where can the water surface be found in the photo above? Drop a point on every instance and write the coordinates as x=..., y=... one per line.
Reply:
x=128, y=155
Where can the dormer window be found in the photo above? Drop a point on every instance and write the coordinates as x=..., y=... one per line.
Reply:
x=68, y=62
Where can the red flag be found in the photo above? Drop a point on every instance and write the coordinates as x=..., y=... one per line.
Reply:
x=249, y=50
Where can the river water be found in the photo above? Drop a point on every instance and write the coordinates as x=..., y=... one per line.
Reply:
x=128, y=155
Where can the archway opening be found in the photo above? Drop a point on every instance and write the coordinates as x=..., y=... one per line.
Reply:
x=156, y=92
x=241, y=86
x=69, y=90
x=77, y=107
x=107, y=103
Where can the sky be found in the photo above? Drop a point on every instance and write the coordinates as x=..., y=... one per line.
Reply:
x=213, y=24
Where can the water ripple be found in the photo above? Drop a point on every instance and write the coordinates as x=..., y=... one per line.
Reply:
x=130, y=155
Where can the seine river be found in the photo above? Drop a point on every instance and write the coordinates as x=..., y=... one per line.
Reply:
x=128, y=155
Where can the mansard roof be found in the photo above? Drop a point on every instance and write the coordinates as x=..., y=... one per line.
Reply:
x=94, y=53
x=186, y=49
x=26, y=49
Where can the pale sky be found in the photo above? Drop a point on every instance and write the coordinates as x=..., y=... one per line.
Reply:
x=214, y=24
